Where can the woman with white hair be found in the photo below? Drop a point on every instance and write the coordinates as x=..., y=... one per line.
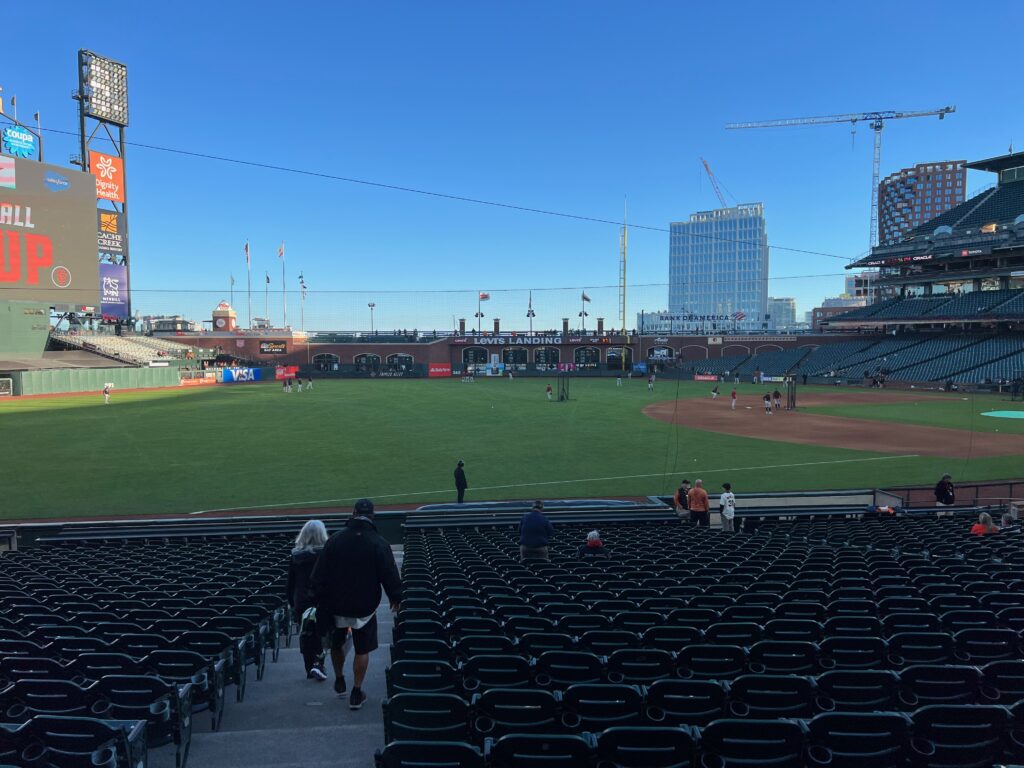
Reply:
x=593, y=548
x=308, y=544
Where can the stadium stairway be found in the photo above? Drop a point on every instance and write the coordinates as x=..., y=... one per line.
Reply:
x=291, y=722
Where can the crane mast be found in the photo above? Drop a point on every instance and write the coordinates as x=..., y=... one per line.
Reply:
x=874, y=119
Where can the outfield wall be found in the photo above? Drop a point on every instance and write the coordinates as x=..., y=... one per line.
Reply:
x=53, y=381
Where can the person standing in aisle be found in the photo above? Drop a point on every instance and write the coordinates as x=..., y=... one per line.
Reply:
x=460, y=480
x=727, y=508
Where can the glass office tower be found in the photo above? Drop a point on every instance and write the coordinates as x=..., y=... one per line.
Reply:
x=718, y=269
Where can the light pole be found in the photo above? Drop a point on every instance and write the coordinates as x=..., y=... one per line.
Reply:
x=371, y=305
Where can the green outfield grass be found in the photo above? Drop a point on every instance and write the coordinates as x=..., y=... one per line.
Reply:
x=398, y=441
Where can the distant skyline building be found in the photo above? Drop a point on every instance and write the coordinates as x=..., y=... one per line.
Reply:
x=718, y=269
x=862, y=285
x=911, y=196
x=781, y=312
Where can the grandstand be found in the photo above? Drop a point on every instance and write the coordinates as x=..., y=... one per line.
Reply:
x=773, y=363
x=824, y=359
x=134, y=350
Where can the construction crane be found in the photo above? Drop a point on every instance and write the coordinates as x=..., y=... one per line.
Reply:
x=876, y=120
x=714, y=183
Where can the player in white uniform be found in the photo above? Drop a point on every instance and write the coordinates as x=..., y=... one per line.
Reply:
x=106, y=395
x=727, y=507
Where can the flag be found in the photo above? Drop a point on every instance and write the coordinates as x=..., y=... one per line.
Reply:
x=268, y=277
x=232, y=279
x=247, y=262
x=529, y=307
x=737, y=316
x=485, y=296
x=280, y=250
x=584, y=296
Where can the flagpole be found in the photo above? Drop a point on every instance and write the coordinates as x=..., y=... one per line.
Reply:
x=248, y=270
x=266, y=298
x=284, y=290
x=232, y=290
x=479, y=313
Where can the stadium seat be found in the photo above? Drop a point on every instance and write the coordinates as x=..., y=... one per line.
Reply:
x=686, y=702
x=712, y=662
x=859, y=740
x=498, y=712
x=647, y=747
x=560, y=669
x=730, y=743
x=859, y=691
x=537, y=751
x=639, y=666
x=594, y=707
x=429, y=754
x=773, y=696
x=946, y=735
x=495, y=671
x=925, y=684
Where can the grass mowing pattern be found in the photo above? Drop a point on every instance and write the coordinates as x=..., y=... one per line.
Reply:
x=252, y=445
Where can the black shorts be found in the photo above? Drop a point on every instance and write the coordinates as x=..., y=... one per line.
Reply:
x=364, y=639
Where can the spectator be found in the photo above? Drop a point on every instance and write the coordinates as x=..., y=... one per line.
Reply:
x=1007, y=522
x=680, y=497
x=308, y=545
x=945, y=495
x=727, y=508
x=593, y=548
x=346, y=583
x=697, y=503
x=460, y=480
x=535, y=532
x=984, y=526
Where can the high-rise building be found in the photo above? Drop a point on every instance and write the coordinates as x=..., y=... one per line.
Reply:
x=863, y=285
x=718, y=268
x=781, y=312
x=912, y=196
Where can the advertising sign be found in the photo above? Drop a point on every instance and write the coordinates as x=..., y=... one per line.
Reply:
x=114, y=291
x=47, y=233
x=109, y=173
x=567, y=367
x=19, y=142
x=439, y=370
x=111, y=240
x=704, y=377
x=286, y=372
x=273, y=348
x=233, y=375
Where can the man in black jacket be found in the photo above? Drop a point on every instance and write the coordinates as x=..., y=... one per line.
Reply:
x=460, y=480
x=346, y=583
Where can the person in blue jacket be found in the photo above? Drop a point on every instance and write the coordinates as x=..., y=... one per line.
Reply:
x=535, y=532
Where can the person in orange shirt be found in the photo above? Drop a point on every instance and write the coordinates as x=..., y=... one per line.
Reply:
x=697, y=500
x=984, y=526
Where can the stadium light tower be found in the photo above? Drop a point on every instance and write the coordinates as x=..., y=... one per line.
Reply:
x=371, y=305
x=102, y=98
x=876, y=120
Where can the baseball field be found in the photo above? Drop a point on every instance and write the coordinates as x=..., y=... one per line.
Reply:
x=252, y=446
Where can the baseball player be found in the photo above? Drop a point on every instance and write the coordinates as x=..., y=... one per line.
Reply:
x=777, y=397
x=548, y=392
x=733, y=397
x=106, y=394
x=768, y=403
x=714, y=393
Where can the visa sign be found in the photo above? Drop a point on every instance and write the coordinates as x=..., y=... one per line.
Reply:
x=241, y=375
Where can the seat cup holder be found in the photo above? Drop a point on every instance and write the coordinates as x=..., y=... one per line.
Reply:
x=104, y=757
x=571, y=720
x=483, y=725
x=471, y=684
x=989, y=693
x=100, y=708
x=825, y=704
x=34, y=754
x=615, y=677
x=543, y=680
x=16, y=712
x=818, y=755
x=739, y=708
x=922, y=746
x=827, y=663
x=909, y=698
x=757, y=668
x=656, y=714
x=708, y=760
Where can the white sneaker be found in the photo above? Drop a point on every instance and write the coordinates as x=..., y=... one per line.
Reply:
x=317, y=674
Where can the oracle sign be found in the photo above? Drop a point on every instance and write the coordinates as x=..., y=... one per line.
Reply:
x=47, y=236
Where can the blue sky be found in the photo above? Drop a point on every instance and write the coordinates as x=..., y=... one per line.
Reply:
x=569, y=106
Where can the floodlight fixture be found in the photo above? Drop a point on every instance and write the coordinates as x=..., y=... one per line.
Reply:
x=103, y=88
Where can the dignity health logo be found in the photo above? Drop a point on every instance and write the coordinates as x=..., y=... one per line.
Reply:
x=105, y=168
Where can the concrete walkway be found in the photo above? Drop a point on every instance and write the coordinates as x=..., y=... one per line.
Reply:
x=287, y=721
